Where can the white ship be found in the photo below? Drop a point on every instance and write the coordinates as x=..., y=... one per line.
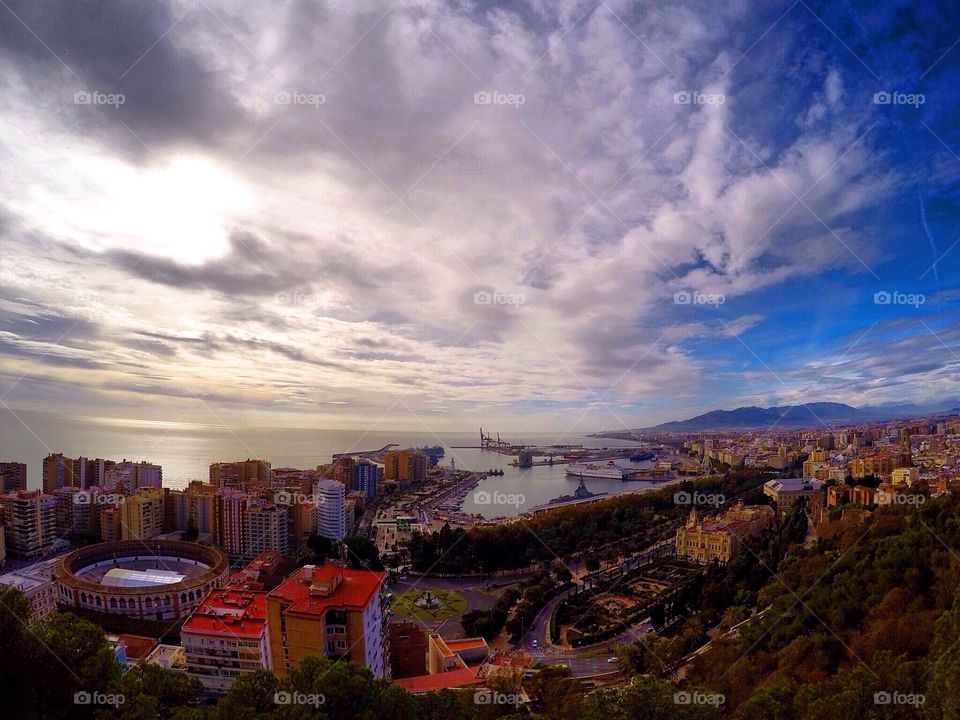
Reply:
x=610, y=471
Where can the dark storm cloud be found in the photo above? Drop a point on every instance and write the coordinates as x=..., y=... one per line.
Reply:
x=253, y=268
x=118, y=46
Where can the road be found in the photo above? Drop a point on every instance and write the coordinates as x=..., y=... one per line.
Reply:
x=536, y=639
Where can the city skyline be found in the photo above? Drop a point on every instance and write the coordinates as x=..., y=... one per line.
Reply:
x=575, y=217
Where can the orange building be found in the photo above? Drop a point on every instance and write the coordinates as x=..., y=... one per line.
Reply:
x=331, y=611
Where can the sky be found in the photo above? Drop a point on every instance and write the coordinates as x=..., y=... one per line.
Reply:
x=540, y=215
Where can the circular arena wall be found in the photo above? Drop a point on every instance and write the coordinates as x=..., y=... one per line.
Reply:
x=209, y=568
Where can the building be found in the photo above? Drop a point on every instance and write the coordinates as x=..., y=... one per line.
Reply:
x=908, y=475
x=129, y=477
x=453, y=664
x=201, y=508
x=245, y=475
x=13, y=477
x=786, y=491
x=266, y=527
x=408, y=649
x=30, y=522
x=57, y=472
x=142, y=579
x=36, y=582
x=878, y=465
x=405, y=466
x=716, y=538
x=366, y=478
x=230, y=525
x=330, y=496
x=394, y=528
x=331, y=611
x=226, y=636
x=142, y=515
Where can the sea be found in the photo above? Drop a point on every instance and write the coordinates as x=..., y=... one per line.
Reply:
x=186, y=450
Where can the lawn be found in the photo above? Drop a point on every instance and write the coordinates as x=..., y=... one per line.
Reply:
x=451, y=603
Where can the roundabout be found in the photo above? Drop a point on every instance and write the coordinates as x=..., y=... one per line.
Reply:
x=429, y=604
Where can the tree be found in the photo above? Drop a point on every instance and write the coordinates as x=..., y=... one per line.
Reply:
x=362, y=553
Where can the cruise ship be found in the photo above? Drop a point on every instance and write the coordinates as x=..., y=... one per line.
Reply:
x=610, y=471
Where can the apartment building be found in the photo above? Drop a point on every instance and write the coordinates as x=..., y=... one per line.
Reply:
x=266, y=527
x=226, y=636
x=30, y=522
x=245, y=475
x=330, y=496
x=142, y=514
x=13, y=476
x=332, y=611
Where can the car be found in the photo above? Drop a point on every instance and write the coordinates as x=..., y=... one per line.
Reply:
x=613, y=660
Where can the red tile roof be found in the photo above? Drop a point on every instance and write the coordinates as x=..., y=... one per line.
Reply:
x=439, y=681
x=230, y=611
x=137, y=646
x=354, y=591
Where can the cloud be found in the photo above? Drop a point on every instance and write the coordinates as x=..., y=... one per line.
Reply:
x=295, y=196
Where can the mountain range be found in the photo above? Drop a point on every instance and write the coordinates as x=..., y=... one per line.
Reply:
x=813, y=414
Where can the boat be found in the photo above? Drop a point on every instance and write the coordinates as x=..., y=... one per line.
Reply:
x=610, y=471
x=642, y=456
x=581, y=493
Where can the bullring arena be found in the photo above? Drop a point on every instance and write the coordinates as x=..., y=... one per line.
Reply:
x=149, y=580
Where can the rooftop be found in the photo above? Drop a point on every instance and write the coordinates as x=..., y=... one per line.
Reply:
x=793, y=484
x=122, y=577
x=312, y=590
x=229, y=610
x=439, y=681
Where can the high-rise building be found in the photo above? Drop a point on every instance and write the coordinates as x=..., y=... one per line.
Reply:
x=13, y=477
x=127, y=476
x=30, y=521
x=57, y=472
x=226, y=636
x=330, y=496
x=142, y=514
x=405, y=466
x=366, y=478
x=266, y=527
x=230, y=525
x=331, y=611
x=246, y=475
x=201, y=507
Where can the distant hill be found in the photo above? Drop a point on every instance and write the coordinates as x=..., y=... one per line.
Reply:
x=808, y=415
